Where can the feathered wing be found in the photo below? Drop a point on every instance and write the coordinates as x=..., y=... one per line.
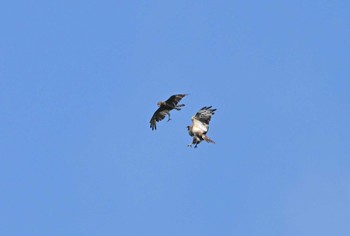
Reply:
x=158, y=115
x=204, y=115
x=175, y=99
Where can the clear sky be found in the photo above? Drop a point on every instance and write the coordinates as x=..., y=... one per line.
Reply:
x=80, y=81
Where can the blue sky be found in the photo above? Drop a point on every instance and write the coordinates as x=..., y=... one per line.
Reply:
x=80, y=81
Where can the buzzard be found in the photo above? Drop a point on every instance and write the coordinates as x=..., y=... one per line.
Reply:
x=200, y=126
x=165, y=108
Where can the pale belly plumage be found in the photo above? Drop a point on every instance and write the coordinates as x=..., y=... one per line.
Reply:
x=199, y=128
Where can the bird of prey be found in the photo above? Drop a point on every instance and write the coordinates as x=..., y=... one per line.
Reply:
x=165, y=108
x=200, y=126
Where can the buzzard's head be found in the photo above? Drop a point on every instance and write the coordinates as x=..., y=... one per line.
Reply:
x=189, y=129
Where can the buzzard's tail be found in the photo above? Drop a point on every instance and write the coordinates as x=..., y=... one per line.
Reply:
x=206, y=138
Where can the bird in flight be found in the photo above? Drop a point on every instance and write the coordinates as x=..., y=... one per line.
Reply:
x=165, y=108
x=200, y=126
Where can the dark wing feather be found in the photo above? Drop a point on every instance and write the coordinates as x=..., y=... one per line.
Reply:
x=204, y=114
x=158, y=115
x=175, y=99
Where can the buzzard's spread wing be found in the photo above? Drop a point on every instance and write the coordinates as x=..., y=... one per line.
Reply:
x=203, y=116
x=158, y=115
x=175, y=99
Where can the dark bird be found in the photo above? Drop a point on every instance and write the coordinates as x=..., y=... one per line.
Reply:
x=200, y=126
x=165, y=108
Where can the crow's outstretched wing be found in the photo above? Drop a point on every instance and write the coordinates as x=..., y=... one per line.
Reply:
x=158, y=115
x=174, y=100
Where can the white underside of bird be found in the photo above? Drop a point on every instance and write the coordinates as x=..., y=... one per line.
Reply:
x=199, y=127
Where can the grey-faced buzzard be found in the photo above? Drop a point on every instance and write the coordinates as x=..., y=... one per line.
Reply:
x=200, y=126
x=165, y=108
